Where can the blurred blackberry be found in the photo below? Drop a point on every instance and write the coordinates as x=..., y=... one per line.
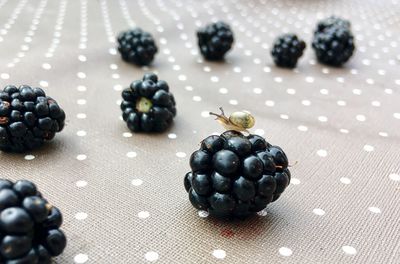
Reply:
x=148, y=105
x=287, y=50
x=234, y=176
x=215, y=40
x=27, y=118
x=29, y=225
x=332, y=21
x=137, y=46
x=334, y=45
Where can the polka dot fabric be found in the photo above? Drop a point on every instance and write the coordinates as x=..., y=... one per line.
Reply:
x=122, y=194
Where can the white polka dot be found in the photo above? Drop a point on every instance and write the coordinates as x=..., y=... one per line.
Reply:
x=203, y=214
x=81, y=184
x=182, y=77
x=115, y=76
x=357, y=91
x=286, y=252
x=325, y=70
x=113, y=66
x=349, y=250
x=340, y=79
x=81, y=133
x=345, y=180
x=306, y=102
x=81, y=88
x=233, y=102
x=368, y=148
x=341, y=103
x=196, y=98
x=344, y=131
x=219, y=253
x=117, y=87
x=291, y=91
x=131, y=154
x=46, y=66
x=81, y=258
x=44, y=83
x=223, y=90
x=81, y=116
x=361, y=118
x=246, y=79
x=322, y=119
x=309, y=79
x=137, y=182
x=81, y=75
x=259, y=132
x=394, y=177
x=29, y=157
x=374, y=210
x=127, y=134
x=324, y=91
x=180, y=154
x=81, y=157
x=267, y=69
x=396, y=115
x=302, y=128
x=81, y=216
x=370, y=81
x=172, y=136
x=318, y=211
x=257, y=90
x=214, y=79
x=112, y=51
x=278, y=79
x=322, y=153
x=237, y=69
x=143, y=214
x=388, y=91
x=82, y=58
x=283, y=116
x=383, y=134
x=81, y=101
x=269, y=103
x=176, y=68
x=295, y=181
x=151, y=256
x=205, y=113
x=376, y=103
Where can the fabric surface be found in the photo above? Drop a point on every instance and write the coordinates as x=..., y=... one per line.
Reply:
x=122, y=194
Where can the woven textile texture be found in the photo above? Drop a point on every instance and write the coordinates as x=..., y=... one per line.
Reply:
x=122, y=194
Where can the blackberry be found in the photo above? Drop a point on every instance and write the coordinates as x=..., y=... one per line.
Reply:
x=287, y=50
x=148, y=105
x=215, y=40
x=27, y=118
x=29, y=225
x=333, y=41
x=137, y=46
x=332, y=21
x=234, y=175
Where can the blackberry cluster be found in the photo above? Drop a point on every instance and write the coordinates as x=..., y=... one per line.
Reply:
x=137, y=46
x=234, y=175
x=215, y=40
x=29, y=225
x=333, y=41
x=148, y=105
x=287, y=50
x=27, y=118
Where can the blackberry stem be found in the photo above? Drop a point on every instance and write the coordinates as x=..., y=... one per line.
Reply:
x=144, y=105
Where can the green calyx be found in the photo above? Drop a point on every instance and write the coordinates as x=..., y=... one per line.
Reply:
x=143, y=105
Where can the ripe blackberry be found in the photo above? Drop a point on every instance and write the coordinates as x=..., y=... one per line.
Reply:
x=27, y=118
x=29, y=225
x=234, y=175
x=332, y=21
x=148, y=105
x=215, y=40
x=137, y=46
x=287, y=50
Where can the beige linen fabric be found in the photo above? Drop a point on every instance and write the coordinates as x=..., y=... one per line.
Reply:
x=122, y=195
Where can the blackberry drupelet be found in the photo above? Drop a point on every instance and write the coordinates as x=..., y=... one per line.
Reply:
x=332, y=21
x=27, y=118
x=148, y=105
x=137, y=46
x=333, y=41
x=287, y=50
x=234, y=175
x=29, y=225
x=215, y=40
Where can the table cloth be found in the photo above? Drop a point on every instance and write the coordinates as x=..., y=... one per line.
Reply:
x=122, y=194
